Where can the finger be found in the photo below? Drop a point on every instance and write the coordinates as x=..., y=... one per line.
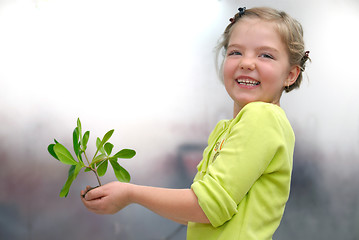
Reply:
x=94, y=205
x=88, y=188
x=83, y=192
x=94, y=193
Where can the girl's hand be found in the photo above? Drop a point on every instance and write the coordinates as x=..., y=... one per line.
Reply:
x=107, y=199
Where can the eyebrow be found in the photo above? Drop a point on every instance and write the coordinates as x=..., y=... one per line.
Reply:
x=261, y=48
x=267, y=48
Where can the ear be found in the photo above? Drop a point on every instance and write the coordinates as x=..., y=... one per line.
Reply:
x=292, y=75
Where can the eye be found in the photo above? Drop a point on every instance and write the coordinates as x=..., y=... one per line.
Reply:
x=234, y=52
x=266, y=55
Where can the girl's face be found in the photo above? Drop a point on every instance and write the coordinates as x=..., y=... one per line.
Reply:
x=256, y=66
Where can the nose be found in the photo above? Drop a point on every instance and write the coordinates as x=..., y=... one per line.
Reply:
x=247, y=63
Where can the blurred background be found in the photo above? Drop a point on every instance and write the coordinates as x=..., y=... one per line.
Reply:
x=146, y=69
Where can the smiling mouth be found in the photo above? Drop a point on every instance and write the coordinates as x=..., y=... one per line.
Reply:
x=248, y=82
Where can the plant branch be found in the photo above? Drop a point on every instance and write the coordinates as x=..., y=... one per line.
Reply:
x=86, y=158
x=93, y=169
x=98, y=178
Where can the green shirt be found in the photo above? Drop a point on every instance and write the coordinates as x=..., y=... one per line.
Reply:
x=243, y=180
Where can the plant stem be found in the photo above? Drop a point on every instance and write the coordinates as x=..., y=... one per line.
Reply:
x=93, y=169
x=98, y=178
x=88, y=162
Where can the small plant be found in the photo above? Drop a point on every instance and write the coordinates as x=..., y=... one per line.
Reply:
x=98, y=164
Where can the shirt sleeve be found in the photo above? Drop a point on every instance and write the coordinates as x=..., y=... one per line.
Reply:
x=251, y=144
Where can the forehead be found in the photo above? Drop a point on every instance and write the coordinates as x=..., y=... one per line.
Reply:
x=255, y=29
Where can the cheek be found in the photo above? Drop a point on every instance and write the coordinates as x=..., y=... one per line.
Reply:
x=271, y=74
x=228, y=73
x=228, y=68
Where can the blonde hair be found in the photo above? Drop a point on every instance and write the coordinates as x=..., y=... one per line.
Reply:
x=289, y=29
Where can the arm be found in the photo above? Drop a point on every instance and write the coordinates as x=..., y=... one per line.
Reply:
x=180, y=205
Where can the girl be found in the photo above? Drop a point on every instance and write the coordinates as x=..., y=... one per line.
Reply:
x=243, y=180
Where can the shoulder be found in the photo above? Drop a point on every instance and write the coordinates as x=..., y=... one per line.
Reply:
x=261, y=109
x=259, y=115
x=262, y=113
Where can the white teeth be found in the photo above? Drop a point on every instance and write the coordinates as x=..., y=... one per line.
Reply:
x=247, y=82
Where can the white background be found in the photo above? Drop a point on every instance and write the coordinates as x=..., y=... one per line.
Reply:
x=146, y=69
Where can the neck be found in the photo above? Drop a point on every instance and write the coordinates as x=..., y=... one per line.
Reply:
x=236, y=109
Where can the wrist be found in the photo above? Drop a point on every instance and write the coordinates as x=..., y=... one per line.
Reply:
x=130, y=190
x=139, y=194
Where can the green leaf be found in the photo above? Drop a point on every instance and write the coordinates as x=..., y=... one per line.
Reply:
x=75, y=141
x=64, y=155
x=103, y=141
x=87, y=169
x=98, y=142
x=99, y=158
x=79, y=130
x=85, y=139
x=102, y=168
x=124, y=153
x=76, y=144
x=50, y=149
x=121, y=174
x=107, y=136
x=99, y=149
x=108, y=148
x=73, y=172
